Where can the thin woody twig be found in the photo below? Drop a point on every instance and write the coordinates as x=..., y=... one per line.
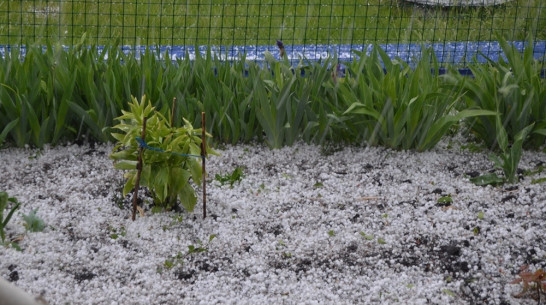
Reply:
x=203, y=155
x=139, y=170
x=370, y=198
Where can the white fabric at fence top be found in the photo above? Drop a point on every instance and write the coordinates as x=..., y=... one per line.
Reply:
x=460, y=2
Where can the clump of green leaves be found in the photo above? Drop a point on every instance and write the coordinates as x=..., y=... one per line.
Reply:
x=508, y=159
x=532, y=281
x=235, y=176
x=514, y=88
x=167, y=170
x=33, y=223
x=510, y=156
x=4, y=200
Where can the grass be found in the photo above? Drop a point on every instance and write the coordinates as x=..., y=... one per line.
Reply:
x=261, y=22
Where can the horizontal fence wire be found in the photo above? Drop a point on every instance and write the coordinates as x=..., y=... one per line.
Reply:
x=252, y=26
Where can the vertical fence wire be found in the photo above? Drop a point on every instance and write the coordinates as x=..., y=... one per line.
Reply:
x=250, y=24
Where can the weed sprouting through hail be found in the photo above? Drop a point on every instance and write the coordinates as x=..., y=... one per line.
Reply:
x=235, y=176
x=33, y=223
x=179, y=258
x=508, y=159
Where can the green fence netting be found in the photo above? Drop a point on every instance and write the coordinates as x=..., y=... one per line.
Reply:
x=262, y=22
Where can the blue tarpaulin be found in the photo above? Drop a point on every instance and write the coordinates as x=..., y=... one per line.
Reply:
x=459, y=53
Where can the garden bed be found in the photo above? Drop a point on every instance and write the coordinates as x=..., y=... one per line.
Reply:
x=304, y=224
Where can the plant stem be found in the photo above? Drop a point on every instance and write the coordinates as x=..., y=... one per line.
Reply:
x=139, y=170
x=203, y=154
x=172, y=112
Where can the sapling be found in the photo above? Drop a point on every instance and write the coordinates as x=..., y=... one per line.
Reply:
x=170, y=160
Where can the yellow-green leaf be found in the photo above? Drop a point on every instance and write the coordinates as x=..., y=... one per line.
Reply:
x=126, y=164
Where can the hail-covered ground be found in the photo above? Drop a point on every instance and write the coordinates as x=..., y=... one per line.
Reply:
x=304, y=225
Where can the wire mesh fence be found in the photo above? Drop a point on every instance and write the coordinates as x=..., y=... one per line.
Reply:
x=307, y=27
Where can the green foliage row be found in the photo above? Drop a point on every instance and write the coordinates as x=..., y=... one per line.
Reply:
x=57, y=94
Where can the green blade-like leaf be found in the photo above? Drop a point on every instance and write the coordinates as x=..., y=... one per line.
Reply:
x=130, y=184
x=440, y=127
x=538, y=131
x=7, y=129
x=188, y=198
x=10, y=214
x=488, y=179
x=502, y=136
x=124, y=155
x=126, y=165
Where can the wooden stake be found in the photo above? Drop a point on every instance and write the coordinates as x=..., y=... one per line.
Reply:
x=139, y=170
x=203, y=155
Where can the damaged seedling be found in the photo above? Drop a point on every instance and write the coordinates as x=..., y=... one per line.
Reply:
x=235, y=176
x=380, y=240
x=445, y=200
x=33, y=222
x=534, y=283
x=117, y=233
x=192, y=249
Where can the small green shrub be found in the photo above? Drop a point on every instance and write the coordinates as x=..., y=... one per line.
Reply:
x=170, y=160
